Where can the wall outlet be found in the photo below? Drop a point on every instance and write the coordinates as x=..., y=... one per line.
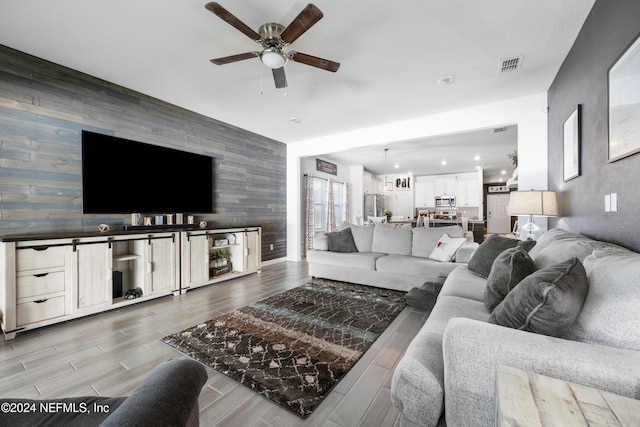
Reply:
x=271, y=247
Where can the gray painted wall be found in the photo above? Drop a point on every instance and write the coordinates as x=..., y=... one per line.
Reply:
x=608, y=31
x=44, y=107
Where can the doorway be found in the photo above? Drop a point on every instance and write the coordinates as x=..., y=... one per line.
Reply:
x=498, y=219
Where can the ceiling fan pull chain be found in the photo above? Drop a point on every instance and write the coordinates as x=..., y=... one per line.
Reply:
x=261, y=76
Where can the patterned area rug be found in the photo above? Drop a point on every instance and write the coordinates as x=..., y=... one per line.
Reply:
x=294, y=347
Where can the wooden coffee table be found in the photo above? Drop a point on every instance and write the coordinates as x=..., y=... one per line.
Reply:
x=529, y=399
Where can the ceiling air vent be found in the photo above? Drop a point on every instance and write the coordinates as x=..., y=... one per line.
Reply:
x=511, y=64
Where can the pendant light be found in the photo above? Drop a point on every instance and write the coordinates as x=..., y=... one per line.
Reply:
x=388, y=185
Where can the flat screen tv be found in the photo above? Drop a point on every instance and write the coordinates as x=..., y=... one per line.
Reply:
x=124, y=176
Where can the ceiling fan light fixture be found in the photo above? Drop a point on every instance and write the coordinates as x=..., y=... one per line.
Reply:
x=273, y=58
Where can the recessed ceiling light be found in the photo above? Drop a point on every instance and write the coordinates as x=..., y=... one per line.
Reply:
x=479, y=166
x=477, y=157
x=503, y=172
x=397, y=166
x=443, y=163
x=294, y=120
x=446, y=80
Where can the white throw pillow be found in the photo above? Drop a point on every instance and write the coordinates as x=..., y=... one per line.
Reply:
x=447, y=247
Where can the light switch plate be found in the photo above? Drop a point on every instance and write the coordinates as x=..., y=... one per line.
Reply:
x=614, y=202
x=607, y=202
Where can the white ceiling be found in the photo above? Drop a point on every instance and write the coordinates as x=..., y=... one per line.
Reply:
x=391, y=55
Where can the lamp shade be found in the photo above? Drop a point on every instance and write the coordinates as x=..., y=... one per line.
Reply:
x=534, y=202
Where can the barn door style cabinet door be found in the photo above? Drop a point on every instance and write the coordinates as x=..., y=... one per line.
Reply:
x=91, y=271
x=210, y=256
x=47, y=281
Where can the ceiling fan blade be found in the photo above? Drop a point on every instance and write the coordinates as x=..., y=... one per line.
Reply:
x=230, y=19
x=235, y=58
x=279, y=77
x=314, y=61
x=305, y=20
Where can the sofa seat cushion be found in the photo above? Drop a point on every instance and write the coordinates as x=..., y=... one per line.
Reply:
x=363, y=260
x=546, y=302
x=425, y=239
x=400, y=264
x=462, y=282
x=610, y=312
x=417, y=386
x=391, y=239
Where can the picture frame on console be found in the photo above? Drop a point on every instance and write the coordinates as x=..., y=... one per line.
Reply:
x=624, y=104
x=571, y=145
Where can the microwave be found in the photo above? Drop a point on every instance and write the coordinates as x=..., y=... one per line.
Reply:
x=445, y=201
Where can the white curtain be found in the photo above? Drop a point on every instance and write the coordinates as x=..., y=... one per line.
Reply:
x=331, y=208
x=310, y=217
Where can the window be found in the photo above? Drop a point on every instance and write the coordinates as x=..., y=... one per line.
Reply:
x=321, y=203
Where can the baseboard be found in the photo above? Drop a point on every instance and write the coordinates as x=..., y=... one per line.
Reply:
x=274, y=261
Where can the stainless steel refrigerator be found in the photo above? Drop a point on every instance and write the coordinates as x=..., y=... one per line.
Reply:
x=373, y=205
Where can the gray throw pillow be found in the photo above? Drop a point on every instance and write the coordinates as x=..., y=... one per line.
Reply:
x=482, y=259
x=547, y=302
x=342, y=241
x=509, y=268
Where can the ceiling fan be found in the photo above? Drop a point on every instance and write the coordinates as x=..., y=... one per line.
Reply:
x=275, y=40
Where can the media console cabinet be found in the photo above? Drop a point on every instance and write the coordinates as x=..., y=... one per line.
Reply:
x=49, y=279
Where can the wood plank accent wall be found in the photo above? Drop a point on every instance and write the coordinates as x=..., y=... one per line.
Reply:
x=45, y=106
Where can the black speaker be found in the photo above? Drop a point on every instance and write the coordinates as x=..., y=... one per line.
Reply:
x=117, y=284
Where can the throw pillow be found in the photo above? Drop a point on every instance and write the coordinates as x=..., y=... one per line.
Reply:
x=447, y=247
x=482, y=259
x=509, y=268
x=320, y=241
x=547, y=302
x=342, y=241
x=426, y=238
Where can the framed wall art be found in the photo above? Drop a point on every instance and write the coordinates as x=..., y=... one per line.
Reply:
x=571, y=145
x=624, y=104
x=326, y=167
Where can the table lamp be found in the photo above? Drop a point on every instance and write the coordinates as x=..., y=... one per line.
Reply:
x=533, y=203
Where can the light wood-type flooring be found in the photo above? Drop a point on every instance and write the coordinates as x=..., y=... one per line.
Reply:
x=109, y=354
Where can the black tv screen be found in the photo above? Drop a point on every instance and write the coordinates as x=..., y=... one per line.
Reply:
x=124, y=176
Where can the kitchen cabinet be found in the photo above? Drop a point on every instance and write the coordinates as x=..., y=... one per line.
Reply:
x=425, y=194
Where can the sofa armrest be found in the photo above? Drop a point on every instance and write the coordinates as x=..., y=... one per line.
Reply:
x=472, y=351
x=463, y=255
x=168, y=395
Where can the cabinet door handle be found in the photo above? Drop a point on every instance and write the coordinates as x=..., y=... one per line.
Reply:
x=40, y=301
x=40, y=275
x=40, y=248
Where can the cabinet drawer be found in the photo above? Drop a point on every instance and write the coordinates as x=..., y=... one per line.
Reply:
x=40, y=257
x=36, y=311
x=39, y=284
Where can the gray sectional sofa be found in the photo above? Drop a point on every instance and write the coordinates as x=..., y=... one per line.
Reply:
x=448, y=372
x=168, y=396
x=388, y=256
